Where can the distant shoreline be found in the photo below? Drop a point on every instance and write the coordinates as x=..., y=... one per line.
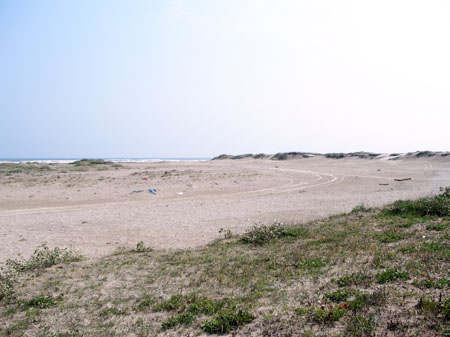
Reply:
x=277, y=156
x=116, y=160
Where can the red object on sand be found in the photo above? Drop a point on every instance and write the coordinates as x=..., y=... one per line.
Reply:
x=144, y=178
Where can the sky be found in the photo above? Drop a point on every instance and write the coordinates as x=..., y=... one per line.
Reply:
x=191, y=78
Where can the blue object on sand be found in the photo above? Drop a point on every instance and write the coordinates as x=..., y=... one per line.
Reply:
x=152, y=191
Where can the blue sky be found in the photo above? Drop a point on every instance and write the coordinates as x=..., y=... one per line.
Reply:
x=200, y=78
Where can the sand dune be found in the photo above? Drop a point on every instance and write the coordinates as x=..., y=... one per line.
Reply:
x=96, y=210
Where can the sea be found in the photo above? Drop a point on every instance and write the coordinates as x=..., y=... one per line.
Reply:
x=116, y=160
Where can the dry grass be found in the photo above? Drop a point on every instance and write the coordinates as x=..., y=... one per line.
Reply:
x=367, y=273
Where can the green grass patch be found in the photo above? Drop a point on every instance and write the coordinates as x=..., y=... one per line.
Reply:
x=361, y=209
x=263, y=234
x=260, y=277
x=438, y=205
x=340, y=295
x=9, y=169
x=42, y=302
x=112, y=311
x=185, y=318
x=391, y=236
x=441, y=283
x=227, y=320
x=90, y=162
x=353, y=279
x=332, y=314
x=360, y=326
x=391, y=275
x=175, y=302
x=440, y=309
x=437, y=226
x=44, y=257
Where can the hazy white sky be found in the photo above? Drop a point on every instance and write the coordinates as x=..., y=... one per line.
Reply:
x=199, y=78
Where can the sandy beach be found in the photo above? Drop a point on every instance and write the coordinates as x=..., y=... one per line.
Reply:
x=96, y=210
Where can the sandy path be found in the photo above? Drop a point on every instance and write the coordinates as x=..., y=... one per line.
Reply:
x=96, y=211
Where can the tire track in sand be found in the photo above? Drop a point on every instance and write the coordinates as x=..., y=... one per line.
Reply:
x=292, y=186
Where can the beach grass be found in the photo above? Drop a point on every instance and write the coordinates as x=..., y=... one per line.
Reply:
x=371, y=272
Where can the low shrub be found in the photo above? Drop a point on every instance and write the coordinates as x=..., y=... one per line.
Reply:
x=44, y=257
x=262, y=234
x=7, y=281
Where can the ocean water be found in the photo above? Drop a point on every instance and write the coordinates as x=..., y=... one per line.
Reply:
x=116, y=160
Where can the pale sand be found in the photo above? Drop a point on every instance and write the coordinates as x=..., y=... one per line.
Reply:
x=95, y=211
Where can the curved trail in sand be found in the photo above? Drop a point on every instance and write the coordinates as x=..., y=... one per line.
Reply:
x=292, y=186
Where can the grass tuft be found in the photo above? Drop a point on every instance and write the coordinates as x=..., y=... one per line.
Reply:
x=226, y=320
x=391, y=275
x=352, y=279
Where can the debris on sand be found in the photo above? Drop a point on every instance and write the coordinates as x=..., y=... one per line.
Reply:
x=402, y=179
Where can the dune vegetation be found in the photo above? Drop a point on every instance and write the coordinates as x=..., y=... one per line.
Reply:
x=371, y=272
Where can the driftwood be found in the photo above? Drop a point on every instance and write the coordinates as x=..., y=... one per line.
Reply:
x=383, y=184
x=403, y=179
